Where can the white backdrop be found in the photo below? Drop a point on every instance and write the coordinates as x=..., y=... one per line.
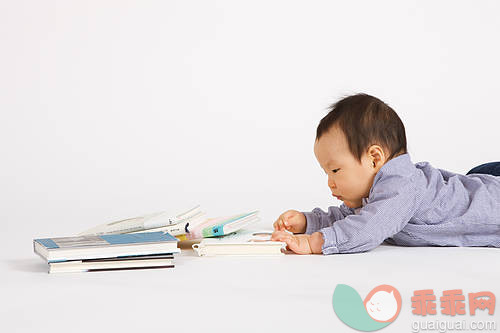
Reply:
x=112, y=109
x=115, y=109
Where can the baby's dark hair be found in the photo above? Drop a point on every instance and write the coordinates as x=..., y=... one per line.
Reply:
x=366, y=120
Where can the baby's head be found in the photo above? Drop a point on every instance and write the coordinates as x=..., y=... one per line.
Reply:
x=353, y=141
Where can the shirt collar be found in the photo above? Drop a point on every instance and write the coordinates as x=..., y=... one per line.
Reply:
x=401, y=166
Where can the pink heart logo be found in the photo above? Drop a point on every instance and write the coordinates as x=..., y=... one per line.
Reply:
x=383, y=303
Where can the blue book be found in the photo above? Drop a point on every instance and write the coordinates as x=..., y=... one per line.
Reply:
x=105, y=246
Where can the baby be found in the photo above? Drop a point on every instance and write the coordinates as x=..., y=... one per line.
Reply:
x=361, y=146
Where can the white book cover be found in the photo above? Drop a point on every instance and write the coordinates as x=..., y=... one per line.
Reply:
x=241, y=243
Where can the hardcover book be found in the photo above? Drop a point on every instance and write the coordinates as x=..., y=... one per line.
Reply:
x=105, y=246
x=112, y=264
x=240, y=243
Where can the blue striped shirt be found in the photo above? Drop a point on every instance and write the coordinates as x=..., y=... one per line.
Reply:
x=414, y=205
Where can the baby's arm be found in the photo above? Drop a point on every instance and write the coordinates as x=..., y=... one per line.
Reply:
x=318, y=219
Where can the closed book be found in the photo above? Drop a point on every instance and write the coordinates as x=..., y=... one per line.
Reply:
x=112, y=264
x=231, y=225
x=220, y=226
x=241, y=243
x=105, y=246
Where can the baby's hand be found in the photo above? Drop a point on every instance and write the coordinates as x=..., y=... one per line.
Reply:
x=296, y=243
x=300, y=244
x=291, y=220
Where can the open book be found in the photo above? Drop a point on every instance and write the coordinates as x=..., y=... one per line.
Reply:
x=243, y=242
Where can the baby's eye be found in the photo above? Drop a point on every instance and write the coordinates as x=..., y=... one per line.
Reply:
x=335, y=170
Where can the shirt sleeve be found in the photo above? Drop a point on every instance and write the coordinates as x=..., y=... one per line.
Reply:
x=390, y=206
x=318, y=219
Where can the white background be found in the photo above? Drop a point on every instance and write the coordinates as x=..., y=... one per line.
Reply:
x=113, y=109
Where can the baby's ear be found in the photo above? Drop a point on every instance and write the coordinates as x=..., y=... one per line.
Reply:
x=377, y=156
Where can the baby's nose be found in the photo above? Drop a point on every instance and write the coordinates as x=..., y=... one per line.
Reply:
x=331, y=183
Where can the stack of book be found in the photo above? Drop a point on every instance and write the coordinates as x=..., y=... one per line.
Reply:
x=148, y=241
x=192, y=224
x=219, y=226
x=108, y=252
x=161, y=221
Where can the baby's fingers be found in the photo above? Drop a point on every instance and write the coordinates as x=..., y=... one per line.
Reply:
x=280, y=225
x=286, y=224
x=276, y=225
x=278, y=235
x=283, y=236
